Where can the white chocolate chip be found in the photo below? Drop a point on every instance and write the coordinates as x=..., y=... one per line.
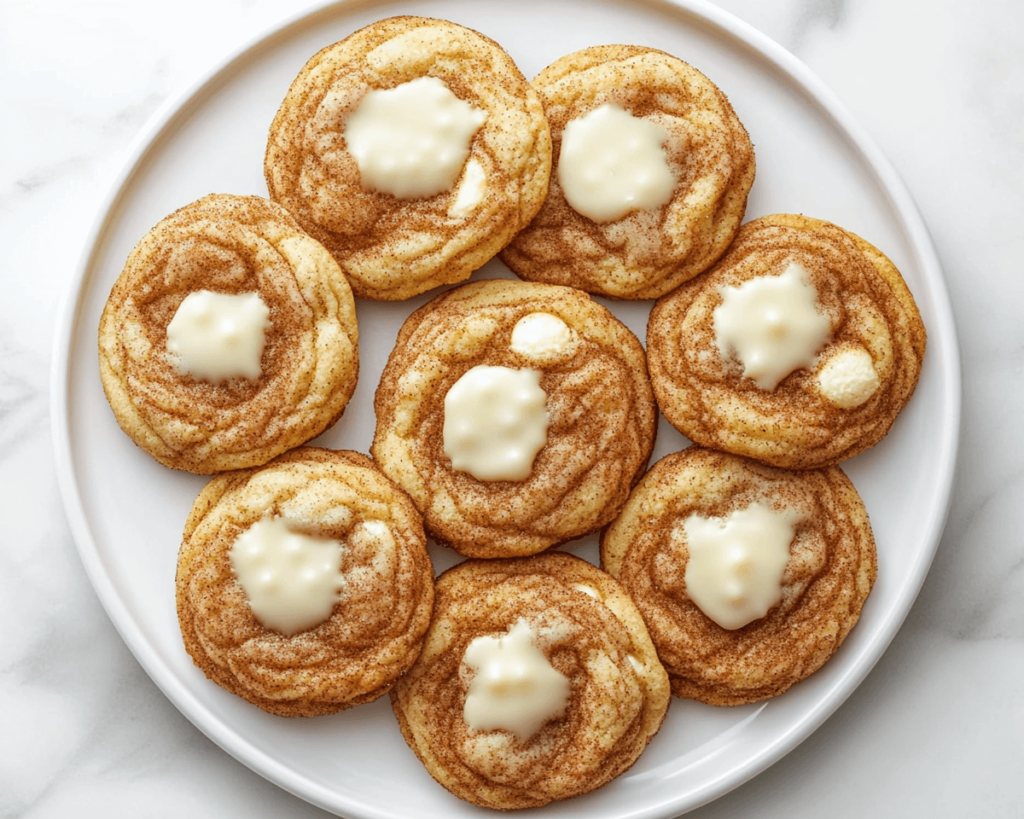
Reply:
x=541, y=337
x=848, y=378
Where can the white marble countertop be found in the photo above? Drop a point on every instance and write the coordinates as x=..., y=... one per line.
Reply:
x=935, y=730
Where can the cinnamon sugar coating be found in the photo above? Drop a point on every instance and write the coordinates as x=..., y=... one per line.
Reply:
x=648, y=252
x=588, y=629
x=795, y=426
x=229, y=244
x=601, y=418
x=394, y=248
x=376, y=629
x=831, y=570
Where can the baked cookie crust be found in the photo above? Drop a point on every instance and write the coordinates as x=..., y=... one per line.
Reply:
x=869, y=308
x=375, y=630
x=394, y=248
x=830, y=573
x=647, y=252
x=602, y=418
x=589, y=630
x=310, y=363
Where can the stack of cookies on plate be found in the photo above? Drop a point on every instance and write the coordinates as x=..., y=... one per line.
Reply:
x=513, y=416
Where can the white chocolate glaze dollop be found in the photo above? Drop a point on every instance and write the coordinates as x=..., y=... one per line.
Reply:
x=613, y=163
x=772, y=326
x=514, y=688
x=734, y=573
x=495, y=422
x=412, y=140
x=292, y=580
x=217, y=336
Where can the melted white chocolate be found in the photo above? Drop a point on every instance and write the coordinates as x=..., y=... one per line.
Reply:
x=217, y=336
x=495, y=423
x=612, y=163
x=471, y=191
x=588, y=590
x=515, y=688
x=291, y=580
x=735, y=567
x=772, y=325
x=412, y=140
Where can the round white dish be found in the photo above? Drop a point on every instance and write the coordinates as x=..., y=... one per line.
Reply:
x=126, y=512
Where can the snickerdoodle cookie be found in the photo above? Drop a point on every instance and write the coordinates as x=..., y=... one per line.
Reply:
x=537, y=682
x=414, y=149
x=652, y=171
x=229, y=337
x=304, y=586
x=516, y=415
x=748, y=577
x=799, y=348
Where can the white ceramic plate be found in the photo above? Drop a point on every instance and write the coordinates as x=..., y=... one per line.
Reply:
x=127, y=512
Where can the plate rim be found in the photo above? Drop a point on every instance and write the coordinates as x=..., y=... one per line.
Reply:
x=70, y=312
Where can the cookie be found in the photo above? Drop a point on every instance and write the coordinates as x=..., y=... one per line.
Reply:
x=799, y=348
x=229, y=337
x=516, y=415
x=414, y=149
x=652, y=171
x=304, y=586
x=537, y=682
x=749, y=577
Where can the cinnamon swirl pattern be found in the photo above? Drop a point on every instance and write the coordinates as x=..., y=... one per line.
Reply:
x=839, y=396
x=375, y=628
x=598, y=430
x=649, y=250
x=588, y=633
x=393, y=246
x=826, y=578
x=305, y=371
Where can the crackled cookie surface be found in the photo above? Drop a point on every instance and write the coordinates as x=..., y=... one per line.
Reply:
x=537, y=682
x=413, y=149
x=799, y=348
x=651, y=175
x=229, y=337
x=697, y=548
x=304, y=586
x=516, y=415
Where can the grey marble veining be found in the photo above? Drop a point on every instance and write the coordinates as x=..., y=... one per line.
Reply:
x=935, y=730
